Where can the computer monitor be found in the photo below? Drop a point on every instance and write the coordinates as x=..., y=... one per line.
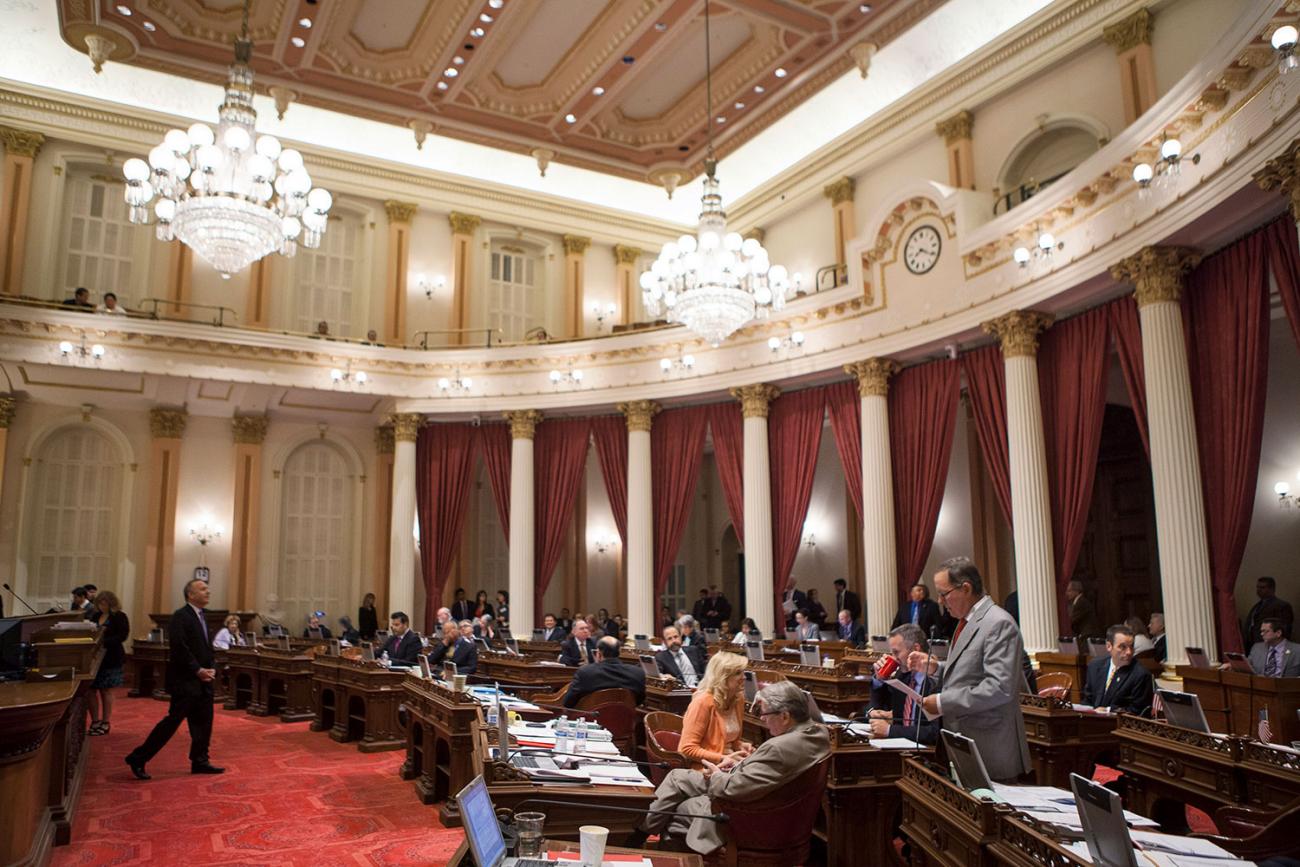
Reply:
x=284, y=642
x=314, y=632
x=480, y=821
x=712, y=636
x=335, y=648
x=1238, y=662
x=808, y=654
x=641, y=642
x=367, y=651
x=829, y=635
x=1183, y=709
x=483, y=646
x=964, y=754
x=939, y=649
x=1068, y=644
x=381, y=637
x=880, y=643
x=449, y=671
x=250, y=639
x=1197, y=658
x=648, y=666
x=754, y=650
x=512, y=647
x=425, y=671
x=751, y=686
x=1104, y=830
x=791, y=635
x=539, y=635
x=11, y=639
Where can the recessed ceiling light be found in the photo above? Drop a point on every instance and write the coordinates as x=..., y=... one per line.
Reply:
x=148, y=25
x=661, y=26
x=780, y=72
x=298, y=42
x=304, y=22
x=496, y=4
x=442, y=85
x=451, y=72
x=758, y=88
x=458, y=60
x=738, y=105
x=477, y=32
x=571, y=118
x=125, y=10
x=721, y=119
x=598, y=91
x=485, y=18
x=864, y=8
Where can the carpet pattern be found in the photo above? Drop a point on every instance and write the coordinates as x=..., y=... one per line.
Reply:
x=289, y=797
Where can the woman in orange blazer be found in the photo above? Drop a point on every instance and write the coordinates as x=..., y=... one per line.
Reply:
x=711, y=729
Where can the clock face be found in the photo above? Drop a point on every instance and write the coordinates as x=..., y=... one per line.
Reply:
x=921, y=251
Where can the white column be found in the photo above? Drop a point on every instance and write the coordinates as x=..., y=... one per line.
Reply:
x=879, y=545
x=1031, y=510
x=641, y=606
x=760, y=592
x=1157, y=273
x=401, y=545
x=523, y=521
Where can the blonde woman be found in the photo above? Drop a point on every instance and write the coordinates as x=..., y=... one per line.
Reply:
x=229, y=636
x=711, y=730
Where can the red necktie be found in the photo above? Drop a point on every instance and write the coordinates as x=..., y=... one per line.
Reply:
x=961, y=624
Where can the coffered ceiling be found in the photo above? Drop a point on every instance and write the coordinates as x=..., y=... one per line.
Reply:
x=612, y=85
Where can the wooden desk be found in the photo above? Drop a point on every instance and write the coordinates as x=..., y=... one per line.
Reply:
x=463, y=858
x=1232, y=701
x=1023, y=843
x=1164, y=762
x=1271, y=776
x=943, y=822
x=1073, y=664
x=518, y=670
x=215, y=618
x=839, y=690
x=862, y=660
x=357, y=701
x=666, y=694
x=267, y=680
x=148, y=666
x=440, y=737
x=1063, y=740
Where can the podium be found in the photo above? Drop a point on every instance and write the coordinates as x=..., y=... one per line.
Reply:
x=1232, y=701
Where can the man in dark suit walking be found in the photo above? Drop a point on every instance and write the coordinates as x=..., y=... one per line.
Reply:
x=190, y=674
x=1116, y=683
x=920, y=610
x=847, y=600
x=609, y=673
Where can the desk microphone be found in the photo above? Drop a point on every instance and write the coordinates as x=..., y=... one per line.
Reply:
x=925, y=677
x=712, y=817
x=20, y=599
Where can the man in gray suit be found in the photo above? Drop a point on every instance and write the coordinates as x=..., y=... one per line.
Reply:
x=981, y=682
x=1274, y=656
x=796, y=743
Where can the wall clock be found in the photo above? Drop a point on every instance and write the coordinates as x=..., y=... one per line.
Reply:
x=921, y=251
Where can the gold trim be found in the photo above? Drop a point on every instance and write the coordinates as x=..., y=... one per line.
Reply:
x=873, y=375
x=21, y=142
x=1128, y=34
x=1018, y=331
x=575, y=245
x=405, y=426
x=167, y=423
x=249, y=429
x=839, y=192
x=1156, y=273
x=626, y=255
x=755, y=399
x=400, y=212
x=640, y=414
x=523, y=423
x=8, y=405
x=956, y=128
x=463, y=224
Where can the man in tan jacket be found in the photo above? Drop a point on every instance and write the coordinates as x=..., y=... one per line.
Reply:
x=795, y=745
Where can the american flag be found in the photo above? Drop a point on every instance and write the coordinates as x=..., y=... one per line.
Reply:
x=1157, y=706
x=1265, y=730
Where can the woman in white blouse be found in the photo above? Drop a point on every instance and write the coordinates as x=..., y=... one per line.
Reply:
x=229, y=635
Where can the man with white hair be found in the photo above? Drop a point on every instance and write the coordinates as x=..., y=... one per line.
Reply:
x=443, y=615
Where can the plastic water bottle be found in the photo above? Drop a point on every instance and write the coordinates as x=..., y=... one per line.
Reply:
x=384, y=658
x=580, y=740
x=562, y=735
x=494, y=710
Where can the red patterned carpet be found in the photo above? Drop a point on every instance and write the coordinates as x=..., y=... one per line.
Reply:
x=289, y=796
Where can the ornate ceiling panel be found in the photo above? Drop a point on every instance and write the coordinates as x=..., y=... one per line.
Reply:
x=511, y=73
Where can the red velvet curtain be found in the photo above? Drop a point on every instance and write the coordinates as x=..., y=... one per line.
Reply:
x=1072, y=361
x=1284, y=260
x=610, y=434
x=559, y=459
x=496, y=457
x=845, y=407
x=922, y=417
x=676, y=446
x=727, y=426
x=1226, y=306
x=1127, y=328
x=986, y=385
x=445, y=460
x=794, y=436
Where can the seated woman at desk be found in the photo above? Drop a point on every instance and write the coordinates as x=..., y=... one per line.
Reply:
x=229, y=634
x=711, y=729
x=805, y=627
x=748, y=632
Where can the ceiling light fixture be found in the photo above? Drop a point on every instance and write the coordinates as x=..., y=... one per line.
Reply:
x=298, y=42
x=485, y=18
x=79, y=353
x=124, y=10
x=451, y=72
x=570, y=118
x=477, y=32
x=456, y=384
x=683, y=365
x=780, y=72
x=758, y=88
x=148, y=25
x=713, y=282
x=345, y=378
x=570, y=378
x=1284, y=42
x=231, y=196
x=1164, y=170
x=598, y=91
x=442, y=85
x=304, y=22
x=496, y=4
x=1042, y=251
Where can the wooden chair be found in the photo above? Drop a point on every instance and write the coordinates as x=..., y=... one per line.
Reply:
x=776, y=830
x=1056, y=684
x=612, y=709
x=1256, y=834
x=663, y=734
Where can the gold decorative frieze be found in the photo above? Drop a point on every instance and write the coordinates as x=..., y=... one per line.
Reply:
x=249, y=429
x=956, y=128
x=385, y=443
x=406, y=426
x=1018, y=331
x=873, y=375
x=463, y=224
x=639, y=414
x=1128, y=34
x=625, y=255
x=1282, y=173
x=754, y=399
x=839, y=191
x=1156, y=273
x=1213, y=98
x=8, y=404
x=167, y=423
x=575, y=245
x=1237, y=77
x=400, y=212
x=523, y=423
x=21, y=142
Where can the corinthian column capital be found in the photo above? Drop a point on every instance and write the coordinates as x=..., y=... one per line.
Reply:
x=249, y=429
x=1282, y=173
x=166, y=423
x=1018, y=331
x=1156, y=272
x=640, y=414
x=873, y=375
x=754, y=399
x=523, y=423
x=406, y=426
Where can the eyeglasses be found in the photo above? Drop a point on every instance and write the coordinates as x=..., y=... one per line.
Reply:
x=943, y=594
x=768, y=713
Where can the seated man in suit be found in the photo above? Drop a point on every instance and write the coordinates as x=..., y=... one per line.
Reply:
x=689, y=628
x=551, y=629
x=895, y=714
x=1274, y=656
x=1156, y=627
x=795, y=743
x=452, y=647
x=1116, y=683
x=608, y=673
x=919, y=609
x=403, y=646
x=854, y=633
x=686, y=664
x=579, y=648
x=314, y=622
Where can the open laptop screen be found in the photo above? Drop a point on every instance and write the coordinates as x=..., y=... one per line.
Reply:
x=1183, y=709
x=649, y=666
x=1104, y=829
x=964, y=754
x=754, y=650
x=481, y=826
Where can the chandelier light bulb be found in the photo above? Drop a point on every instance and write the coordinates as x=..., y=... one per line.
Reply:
x=774, y=343
x=577, y=376
x=665, y=364
x=1171, y=149
x=135, y=170
x=1281, y=489
x=165, y=210
x=361, y=377
x=555, y=376
x=97, y=350
x=1021, y=255
x=65, y=347
x=336, y=374
x=1143, y=173
x=797, y=338
x=688, y=361
x=200, y=134
x=1046, y=242
x=444, y=383
x=178, y=141
x=236, y=138
x=1285, y=38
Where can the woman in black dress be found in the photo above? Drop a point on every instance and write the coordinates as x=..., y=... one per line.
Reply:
x=482, y=606
x=367, y=618
x=115, y=628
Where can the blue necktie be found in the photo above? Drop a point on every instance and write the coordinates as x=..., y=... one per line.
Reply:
x=202, y=625
x=915, y=606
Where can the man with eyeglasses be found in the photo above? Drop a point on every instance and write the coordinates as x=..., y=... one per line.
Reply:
x=981, y=681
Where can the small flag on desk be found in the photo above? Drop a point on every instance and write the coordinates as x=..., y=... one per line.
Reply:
x=1265, y=730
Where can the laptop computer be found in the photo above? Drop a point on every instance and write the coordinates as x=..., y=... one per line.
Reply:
x=1068, y=644
x=483, y=646
x=751, y=686
x=449, y=671
x=829, y=635
x=484, y=833
x=880, y=643
x=649, y=666
x=754, y=650
x=1197, y=658
x=808, y=654
x=1104, y=830
x=641, y=642
x=314, y=632
x=964, y=754
x=425, y=671
x=1183, y=709
x=1238, y=662
x=791, y=635
x=712, y=636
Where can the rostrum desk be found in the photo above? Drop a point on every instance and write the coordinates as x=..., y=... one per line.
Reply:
x=267, y=681
x=1232, y=701
x=357, y=701
x=518, y=670
x=1063, y=740
x=440, y=728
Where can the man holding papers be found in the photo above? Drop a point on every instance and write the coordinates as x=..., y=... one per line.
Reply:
x=896, y=713
x=981, y=682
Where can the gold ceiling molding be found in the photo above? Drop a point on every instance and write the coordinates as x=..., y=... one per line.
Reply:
x=167, y=423
x=21, y=142
x=839, y=191
x=575, y=245
x=626, y=255
x=249, y=429
x=1128, y=34
x=463, y=224
x=400, y=212
x=957, y=128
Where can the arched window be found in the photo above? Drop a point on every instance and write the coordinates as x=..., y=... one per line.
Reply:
x=100, y=240
x=75, y=514
x=327, y=276
x=1053, y=149
x=316, y=531
x=516, y=290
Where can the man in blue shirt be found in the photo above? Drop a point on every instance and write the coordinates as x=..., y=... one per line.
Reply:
x=920, y=610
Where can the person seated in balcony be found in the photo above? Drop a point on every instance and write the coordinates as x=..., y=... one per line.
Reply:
x=315, y=621
x=111, y=306
x=80, y=298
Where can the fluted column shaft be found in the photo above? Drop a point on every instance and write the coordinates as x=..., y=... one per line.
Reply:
x=1157, y=273
x=1031, y=508
x=21, y=148
x=248, y=433
x=401, y=548
x=640, y=518
x=523, y=520
x=760, y=593
x=167, y=426
x=879, y=545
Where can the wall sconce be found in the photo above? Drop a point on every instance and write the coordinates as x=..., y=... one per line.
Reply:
x=810, y=539
x=602, y=312
x=203, y=535
x=1286, y=499
x=1162, y=172
x=570, y=378
x=429, y=287
x=1042, y=252
x=788, y=345
x=603, y=542
x=669, y=366
x=457, y=384
x=346, y=378
x=1284, y=42
x=80, y=353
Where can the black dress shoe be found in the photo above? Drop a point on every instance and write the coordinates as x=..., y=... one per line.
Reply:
x=206, y=768
x=137, y=768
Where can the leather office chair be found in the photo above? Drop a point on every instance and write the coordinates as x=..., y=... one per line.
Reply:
x=1257, y=834
x=615, y=710
x=1056, y=684
x=776, y=830
x=663, y=735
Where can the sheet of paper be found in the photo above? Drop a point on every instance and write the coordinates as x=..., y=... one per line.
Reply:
x=1175, y=845
x=906, y=689
x=1163, y=859
x=894, y=744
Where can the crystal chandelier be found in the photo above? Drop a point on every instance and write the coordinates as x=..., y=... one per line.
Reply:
x=232, y=196
x=713, y=282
